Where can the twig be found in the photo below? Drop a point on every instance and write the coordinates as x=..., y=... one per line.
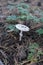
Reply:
x=37, y=26
x=25, y=62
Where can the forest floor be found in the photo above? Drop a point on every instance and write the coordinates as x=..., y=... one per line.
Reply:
x=13, y=51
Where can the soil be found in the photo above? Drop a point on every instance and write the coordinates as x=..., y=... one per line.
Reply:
x=13, y=51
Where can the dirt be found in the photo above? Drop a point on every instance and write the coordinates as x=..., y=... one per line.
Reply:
x=12, y=51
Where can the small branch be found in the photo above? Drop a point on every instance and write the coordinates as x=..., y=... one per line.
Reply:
x=37, y=26
x=27, y=62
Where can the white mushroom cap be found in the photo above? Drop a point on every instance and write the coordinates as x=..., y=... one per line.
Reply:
x=22, y=27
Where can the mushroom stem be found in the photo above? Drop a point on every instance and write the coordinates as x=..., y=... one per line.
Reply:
x=21, y=34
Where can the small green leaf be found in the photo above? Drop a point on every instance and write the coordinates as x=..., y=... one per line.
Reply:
x=11, y=28
x=23, y=5
x=41, y=19
x=30, y=56
x=39, y=31
x=10, y=7
x=12, y=17
x=33, y=46
x=22, y=17
x=32, y=50
x=40, y=52
x=23, y=11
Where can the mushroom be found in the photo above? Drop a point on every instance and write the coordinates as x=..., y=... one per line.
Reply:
x=22, y=28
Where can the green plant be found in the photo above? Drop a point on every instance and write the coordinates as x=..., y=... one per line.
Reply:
x=11, y=28
x=22, y=17
x=24, y=13
x=34, y=52
x=10, y=7
x=12, y=17
x=41, y=19
x=39, y=31
x=33, y=46
x=23, y=5
x=40, y=52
